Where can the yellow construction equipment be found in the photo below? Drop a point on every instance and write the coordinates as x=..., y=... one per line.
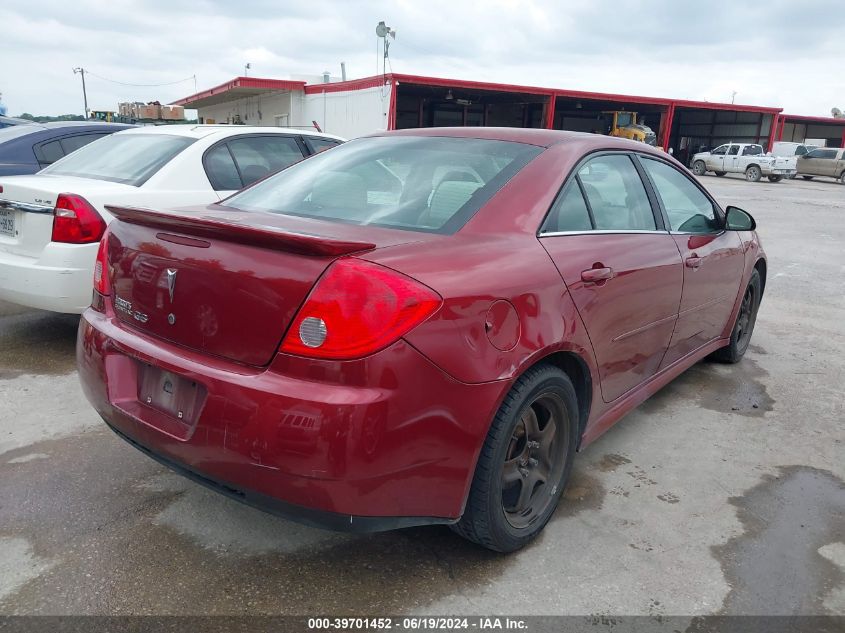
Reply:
x=624, y=124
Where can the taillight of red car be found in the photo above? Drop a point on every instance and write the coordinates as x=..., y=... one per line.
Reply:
x=358, y=308
x=75, y=221
x=102, y=285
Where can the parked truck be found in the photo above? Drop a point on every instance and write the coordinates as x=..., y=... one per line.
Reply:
x=743, y=158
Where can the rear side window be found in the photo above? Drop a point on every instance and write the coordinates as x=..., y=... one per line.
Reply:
x=220, y=169
x=424, y=183
x=686, y=206
x=316, y=144
x=569, y=212
x=752, y=150
x=616, y=195
x=260, y=156
x=800, y=150
x=130, y=159
x=49, y=152
x=73, y=143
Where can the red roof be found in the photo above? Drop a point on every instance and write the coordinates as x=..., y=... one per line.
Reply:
x=813, y=119
x=237, y=88
x=256, y=85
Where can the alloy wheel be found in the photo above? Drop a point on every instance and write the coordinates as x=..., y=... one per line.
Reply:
x=534, y=460
x=745, y=323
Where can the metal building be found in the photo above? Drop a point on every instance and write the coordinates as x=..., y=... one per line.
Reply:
x=396, y=101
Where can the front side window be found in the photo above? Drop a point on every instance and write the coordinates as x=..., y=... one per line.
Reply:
x=616, y=194
x=686, y=206
x=419, y=183
x=130, y=159
x=825, y=154
x=720, y=151
x=734, y=150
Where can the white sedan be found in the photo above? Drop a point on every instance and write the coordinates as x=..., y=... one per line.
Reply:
x=51, y=222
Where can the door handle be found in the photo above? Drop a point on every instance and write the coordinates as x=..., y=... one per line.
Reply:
x=595, y=275
x=693, y=261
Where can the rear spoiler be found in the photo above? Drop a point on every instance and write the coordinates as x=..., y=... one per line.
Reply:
x=261, y=236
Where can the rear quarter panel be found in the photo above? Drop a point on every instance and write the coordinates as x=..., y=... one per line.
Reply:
x=497, y=256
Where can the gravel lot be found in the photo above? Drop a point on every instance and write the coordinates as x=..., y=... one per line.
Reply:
x=722, y=494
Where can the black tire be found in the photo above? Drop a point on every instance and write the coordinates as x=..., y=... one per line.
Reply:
x=699, y=168
x=842, y=178
x=775, y=178
x=744, y=324
x=721, y=173
x=753, y=173
x=807, y=177
x=487, y=520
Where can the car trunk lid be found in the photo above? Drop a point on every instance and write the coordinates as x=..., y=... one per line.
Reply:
x=27, y=206
x=223, y=282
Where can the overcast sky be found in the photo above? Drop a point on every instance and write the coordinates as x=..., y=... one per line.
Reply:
x=789, y=54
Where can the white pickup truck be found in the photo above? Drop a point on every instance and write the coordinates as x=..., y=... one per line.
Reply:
x=743, y=158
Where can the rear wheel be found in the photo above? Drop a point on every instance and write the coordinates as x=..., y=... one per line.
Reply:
x=721, y=173
x=753, y=174
x=807, y=177
x=745, y=320
x=699, y=168
x=775, y=178
x=524, y=463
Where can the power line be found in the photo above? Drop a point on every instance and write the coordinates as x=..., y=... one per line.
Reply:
x=123, y=83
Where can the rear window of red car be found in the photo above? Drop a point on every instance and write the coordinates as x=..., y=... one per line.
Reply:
x=432, y=184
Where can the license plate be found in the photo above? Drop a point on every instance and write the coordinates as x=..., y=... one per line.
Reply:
x=7, y=222
x=171, y=394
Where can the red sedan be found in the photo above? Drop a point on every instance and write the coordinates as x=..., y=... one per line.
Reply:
x=415, y=327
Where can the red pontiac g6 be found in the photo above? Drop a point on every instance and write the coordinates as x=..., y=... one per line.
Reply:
x=415, y=327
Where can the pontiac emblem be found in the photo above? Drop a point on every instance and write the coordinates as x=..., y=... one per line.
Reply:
x=171, y=282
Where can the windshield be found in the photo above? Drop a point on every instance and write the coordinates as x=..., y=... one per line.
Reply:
x=130, y=159
x=420, y=183
x=624, y=119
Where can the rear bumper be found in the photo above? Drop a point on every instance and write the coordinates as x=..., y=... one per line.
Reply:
x=58, y=280
x=384, y=442
x=308, y=516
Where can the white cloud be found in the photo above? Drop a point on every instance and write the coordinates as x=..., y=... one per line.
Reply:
x=778, y=54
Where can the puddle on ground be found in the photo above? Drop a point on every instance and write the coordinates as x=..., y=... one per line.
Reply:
x=774, y=567
x=18, y=564
x=718, y=387
x=41, y=343
x=136, y=539
x=583, y=492
x=610, y=462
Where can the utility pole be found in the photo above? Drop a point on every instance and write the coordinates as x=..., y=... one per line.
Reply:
x=81, y=71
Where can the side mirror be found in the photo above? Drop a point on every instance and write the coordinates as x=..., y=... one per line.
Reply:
x=738, y=220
